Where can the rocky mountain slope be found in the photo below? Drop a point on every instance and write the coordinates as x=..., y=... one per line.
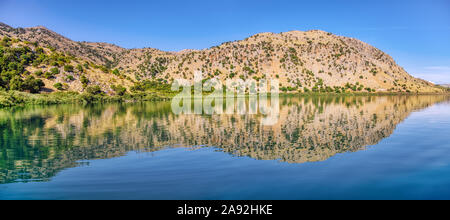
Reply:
x=302, y=61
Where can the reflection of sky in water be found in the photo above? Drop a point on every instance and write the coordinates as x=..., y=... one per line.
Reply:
x=412, y=162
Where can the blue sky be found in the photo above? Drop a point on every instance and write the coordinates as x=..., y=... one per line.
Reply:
x=415, y=33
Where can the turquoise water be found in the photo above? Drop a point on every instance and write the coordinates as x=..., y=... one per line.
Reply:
x=393, y=147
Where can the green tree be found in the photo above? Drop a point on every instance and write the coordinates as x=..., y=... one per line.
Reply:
x=16, y=83
x=32, y=84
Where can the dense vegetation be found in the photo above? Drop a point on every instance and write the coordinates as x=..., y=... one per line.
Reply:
x=16, y=56
x=19, y=86
x=13, y=61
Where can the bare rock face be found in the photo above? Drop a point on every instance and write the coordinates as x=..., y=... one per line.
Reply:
x=302, y=61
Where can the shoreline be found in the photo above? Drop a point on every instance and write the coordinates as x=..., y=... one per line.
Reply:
x=18, y=99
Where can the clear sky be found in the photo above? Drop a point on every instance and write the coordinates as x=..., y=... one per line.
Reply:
x=415, y=33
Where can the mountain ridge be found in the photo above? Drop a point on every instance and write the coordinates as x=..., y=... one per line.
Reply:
x=302, y=61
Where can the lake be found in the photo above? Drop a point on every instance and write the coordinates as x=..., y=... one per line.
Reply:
x=374, y=147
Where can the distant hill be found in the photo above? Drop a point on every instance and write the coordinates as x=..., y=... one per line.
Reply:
x=302, y=61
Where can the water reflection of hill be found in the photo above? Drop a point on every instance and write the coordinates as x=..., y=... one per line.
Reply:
x=38, y=142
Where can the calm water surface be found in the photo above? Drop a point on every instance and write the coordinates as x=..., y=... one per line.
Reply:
x=393, y=147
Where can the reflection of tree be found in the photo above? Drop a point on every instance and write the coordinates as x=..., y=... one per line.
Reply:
x=36, y=143
x=309, y=129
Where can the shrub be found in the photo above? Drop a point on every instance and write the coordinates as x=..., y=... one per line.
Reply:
x=58, y=86
x=94, y=90
x=116, y=72
x=48, y=75
x=54, y=63
x=68, y=68
x=69, y=78
x=54, y=71
x=84, y=80
x=80, y=68
x=39, y=50
x=150, y=85
x=38, y=73
x=5, y=42
x=119, y=90
x=104, y=69
x=315, y=89
x=374, y=71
